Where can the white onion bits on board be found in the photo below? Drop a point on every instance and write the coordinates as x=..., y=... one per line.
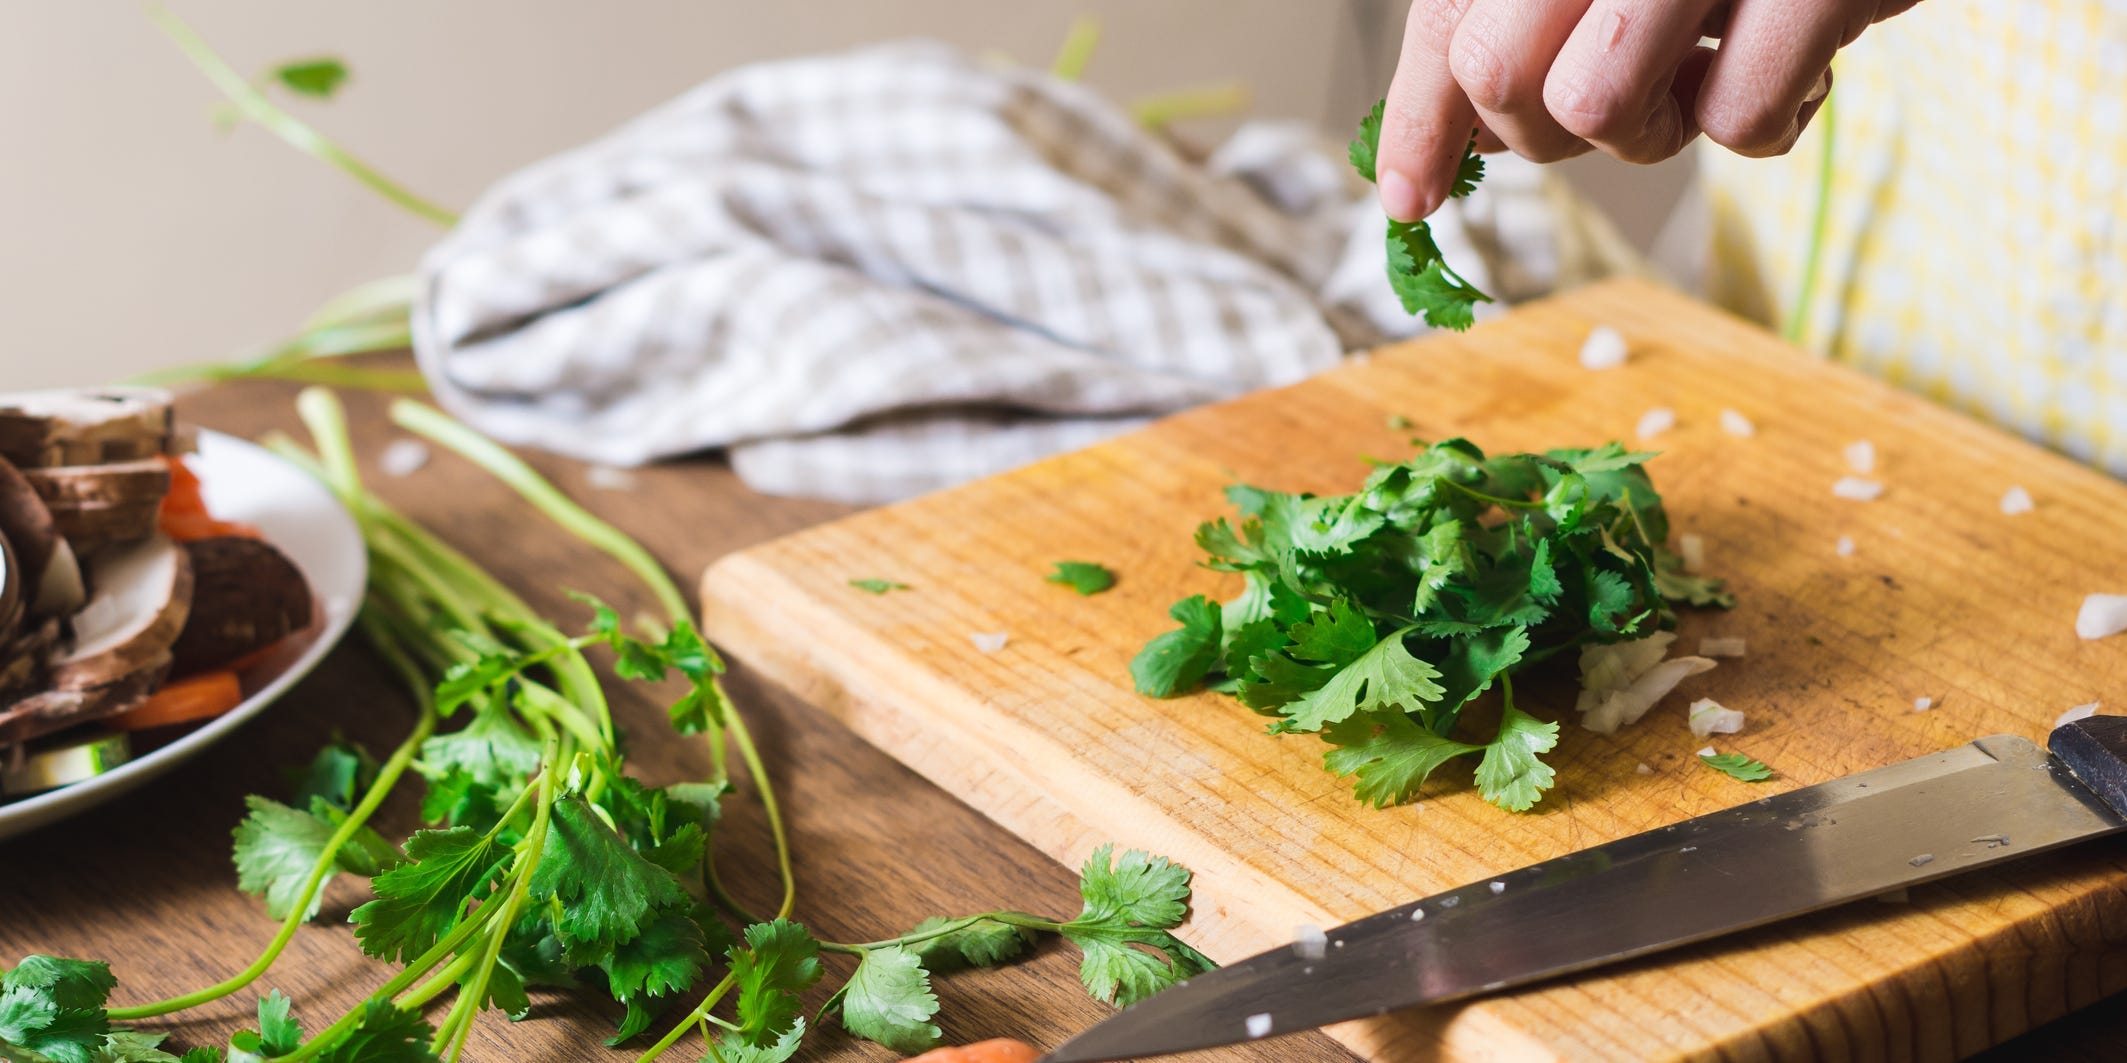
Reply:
x=1603, y=349
x=1857, y=489
x=2080, y=712
x=2015, y=500
x=1714, y=646
x=2102, y=615
x=1861, y=456
x=1710, y=717
x=1655, y=421
x=1736, y=424
x=989, y=641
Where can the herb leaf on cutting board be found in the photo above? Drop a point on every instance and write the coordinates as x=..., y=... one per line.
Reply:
x=1374, y=619
x=1738, y=766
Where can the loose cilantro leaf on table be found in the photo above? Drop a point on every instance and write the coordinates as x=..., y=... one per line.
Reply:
x=1419, y=276
x=277, y=847
x=1374, y=619
x=1738, y=766
x=1131, y=902
x=877, y=586
x=1085, y=577
x=889, y=1000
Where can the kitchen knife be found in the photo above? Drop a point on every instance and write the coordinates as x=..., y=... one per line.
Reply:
x=1995, y=800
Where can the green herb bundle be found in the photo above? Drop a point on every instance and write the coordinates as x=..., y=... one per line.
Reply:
x=1374, y=619
x=541, y=864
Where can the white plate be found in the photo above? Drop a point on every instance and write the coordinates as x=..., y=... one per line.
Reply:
x=245, y=483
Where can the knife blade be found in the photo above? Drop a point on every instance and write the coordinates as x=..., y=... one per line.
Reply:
x=1997, y=799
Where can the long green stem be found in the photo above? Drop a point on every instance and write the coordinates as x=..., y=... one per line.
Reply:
x=426, y=421
x=387, y=777
x=254, y=105
x=1813, y=258
x=743, y=739
x=700, y=1011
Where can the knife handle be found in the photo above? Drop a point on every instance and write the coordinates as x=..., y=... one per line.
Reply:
x=2095, y=752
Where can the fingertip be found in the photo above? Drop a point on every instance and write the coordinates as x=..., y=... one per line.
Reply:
x=1401, y=197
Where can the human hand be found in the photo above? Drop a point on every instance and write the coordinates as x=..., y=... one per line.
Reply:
x=1551, y=79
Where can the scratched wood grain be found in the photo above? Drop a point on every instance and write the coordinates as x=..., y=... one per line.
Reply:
x=1943, y=597
x=145, y=882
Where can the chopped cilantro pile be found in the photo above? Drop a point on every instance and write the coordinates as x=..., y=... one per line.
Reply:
x=1420, y=277
x=1376, y=619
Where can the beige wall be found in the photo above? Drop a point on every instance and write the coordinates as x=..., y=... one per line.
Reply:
x=137, y=235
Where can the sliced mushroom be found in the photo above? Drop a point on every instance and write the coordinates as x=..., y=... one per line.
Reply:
x=55, y=710
x=246, y=596
x=26, y=525
x=92, y=505
x=140, y=594
x=40, y=429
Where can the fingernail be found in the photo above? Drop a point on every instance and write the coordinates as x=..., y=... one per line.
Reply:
x=1400, y=198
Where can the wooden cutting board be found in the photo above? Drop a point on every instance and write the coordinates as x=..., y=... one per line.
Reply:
x=1943, y=597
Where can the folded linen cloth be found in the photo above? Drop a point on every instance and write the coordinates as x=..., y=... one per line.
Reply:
x=872, y=274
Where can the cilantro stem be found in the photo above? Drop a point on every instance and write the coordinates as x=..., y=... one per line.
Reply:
x=427, y=422
x=939, y=931
x=1503, y=503
x=1813, y=258
x=742, y=737
x=527, y=858
x=254, y=105
x=387, y=777
x=437, y=982
x=720, y=895
x=700, y=1012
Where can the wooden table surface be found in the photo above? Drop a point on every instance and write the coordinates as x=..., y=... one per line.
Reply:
x=145, y=882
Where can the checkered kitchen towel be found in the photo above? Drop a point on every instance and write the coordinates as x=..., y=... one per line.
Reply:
x=873, y=274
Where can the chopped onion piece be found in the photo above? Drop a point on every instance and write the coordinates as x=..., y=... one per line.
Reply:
x=1861, y=456
x=1498, y=888
x=1923, y=704
x=1259, y=1025
x=1845, y=546
x=1603, y=349
x=1643, y=769
x=608, y=478
x=1736, y=424
x=1922, y=860
x=2015, y=500
x=1309, y=942
x=403, y=457
x=1858, y=489
x=1605, y=711
x=1693, y=550
x=1721, y=647
x=1708, y=752
x=2102, y=615
x=1710, y=717
x=989, y=641
x=1656, y=421
x=2080, y=712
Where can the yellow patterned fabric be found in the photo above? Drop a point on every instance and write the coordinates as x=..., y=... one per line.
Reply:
x=1975, y=247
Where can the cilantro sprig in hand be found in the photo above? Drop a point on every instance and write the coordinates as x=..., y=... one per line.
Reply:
x=1376, y=619
x=1420, y=276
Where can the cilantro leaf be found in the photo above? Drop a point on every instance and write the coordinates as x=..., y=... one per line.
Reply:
x=877, y=586
x=1738, y=766
x=1389, y=754
x=419, y=902
x=1366, y=148
x=778, y=961
x=1130, y=902
x=1383, y=676
x=319, y=77
x=1511, y=775
x=201, y=1054
x=1678, y=585
x=133, y=1046
x=889, y=1000
x=279, y=1034
x=276, y=846
x=732, y=1048
x=383, y=1034
x=982, y=943
x=602, y=889
x=1086, y=577
x=664, y=958
x=1177, y=660
x=55, y=1008
x=339, y=773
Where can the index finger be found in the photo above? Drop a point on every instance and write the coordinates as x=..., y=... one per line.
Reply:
x=1426, y=121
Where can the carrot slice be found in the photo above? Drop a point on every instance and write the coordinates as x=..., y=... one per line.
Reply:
x=999, y=1050
x=188, y=700
x=183, y=515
